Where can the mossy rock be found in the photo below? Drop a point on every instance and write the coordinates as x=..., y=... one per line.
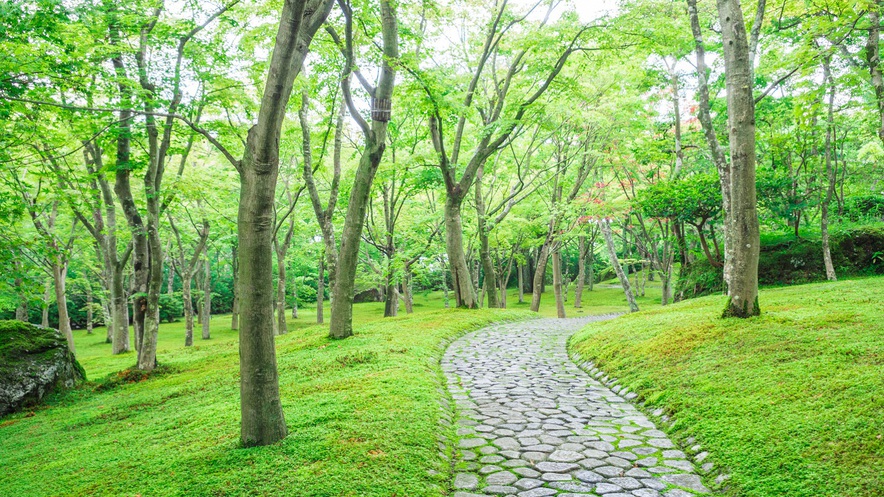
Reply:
x=34, y=361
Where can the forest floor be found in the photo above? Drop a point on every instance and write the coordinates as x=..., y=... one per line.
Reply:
x=788, y=403
x=362, y=413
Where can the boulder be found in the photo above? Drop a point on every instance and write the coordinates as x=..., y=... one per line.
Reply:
x=34, y=361
x=370, y=295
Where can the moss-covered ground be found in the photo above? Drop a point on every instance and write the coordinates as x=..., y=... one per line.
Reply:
x=362, y=413
x=790, y=403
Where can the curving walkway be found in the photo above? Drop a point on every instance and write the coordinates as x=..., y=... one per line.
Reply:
x=533, y=424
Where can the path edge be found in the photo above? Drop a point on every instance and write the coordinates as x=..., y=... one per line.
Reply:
x=714, y=477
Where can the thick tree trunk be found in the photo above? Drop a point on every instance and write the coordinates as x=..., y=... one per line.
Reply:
x=615, y=263
x=461, y=278
x=557, y=282
x=207, y=298
x=743, y=225
x=119, y=325
x=59, y=275
x=873, y=57
x=539, y=275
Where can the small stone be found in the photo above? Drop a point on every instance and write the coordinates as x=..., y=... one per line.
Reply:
x=469, y=443
x=500, y=490
x=691, y=482
x=556, y=467
x=626, y=482
x=528, y=483
x=526, y=472
x=487, y=470
x=501, y=478
x=588, y=476
x=555, y=477
x=537, y=492
x=565, y=456
x=663, y=443
x=466, y=481
x=606, y=488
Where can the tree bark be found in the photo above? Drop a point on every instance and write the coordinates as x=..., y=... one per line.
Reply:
x=539, y=275
x=704, y=114
x=263, y=421
x=320, y=291
x=612, y=254
x=582, y=249
x=484, y=246
x=234, y=316
x=557, y=281
x=830, y=173
x=47, y=295
x=873, y=57
x=59, y=275
x=207, y=297
x=743, y=225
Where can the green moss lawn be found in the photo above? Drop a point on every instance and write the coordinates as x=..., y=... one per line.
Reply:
x=790, y=403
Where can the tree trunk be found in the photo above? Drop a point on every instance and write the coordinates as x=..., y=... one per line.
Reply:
x=119, y=310
x=581, y=271
x=47, y=295
x=207, y=298
x=89, y=308
x=521, y=270
x=830, y=173
x=281, y=326
x=484, y=247
x=743, y=226
x=704, y=115
x=187, y=297
x=539, y=275
x=612, y=254
x=320, y=291
x=59, y=275
x=21, y=309
x=375, y=138
x=873, y=57
x=407, y=293
x=234, y=317
x=557, y=281
x=170, y=281
x=461, y=279
x=391, y=296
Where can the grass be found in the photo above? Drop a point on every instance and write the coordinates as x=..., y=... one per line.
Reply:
x=362, y=413
x=790, y=403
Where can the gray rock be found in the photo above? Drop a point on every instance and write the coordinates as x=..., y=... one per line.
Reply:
x=501, y=478
x=466, y=481
x=34, y=361
x=688, y=481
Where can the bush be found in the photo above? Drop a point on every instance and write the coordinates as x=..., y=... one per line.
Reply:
x=171, y=307
x=864, y=207
x=856, y=251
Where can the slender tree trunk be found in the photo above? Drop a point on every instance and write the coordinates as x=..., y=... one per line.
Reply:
x=830, y=174
x=539, y=275
x=47, y=295
x=320, y=291
x=521, y=270
x=873, y=57
x=581, y=271
x=170, y=281
x=207, y=298
x=743, y=226
x=407, y=293
x=484, y=246
x=281, y=326
x=89, y=302
x=557, y=281
x=118, y=328
x=21, y=309
x=187, y=297
x=59, y=275
x=375, y=138
x=612, y=254
x=391, y=295
x=234, y=317
x=704, y=115
x=590, y=272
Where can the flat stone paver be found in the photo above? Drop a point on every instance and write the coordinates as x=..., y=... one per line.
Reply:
x=531, y=423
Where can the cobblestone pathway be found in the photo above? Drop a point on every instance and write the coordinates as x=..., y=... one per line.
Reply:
x=533, y=424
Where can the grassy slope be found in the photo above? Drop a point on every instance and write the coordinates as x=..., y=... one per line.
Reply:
x=791, y=403
x=362, y=413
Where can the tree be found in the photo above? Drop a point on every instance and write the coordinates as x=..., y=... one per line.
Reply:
x=374, y=140
x=742, y=220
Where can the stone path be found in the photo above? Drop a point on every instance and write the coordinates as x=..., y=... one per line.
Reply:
x=533, y=424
